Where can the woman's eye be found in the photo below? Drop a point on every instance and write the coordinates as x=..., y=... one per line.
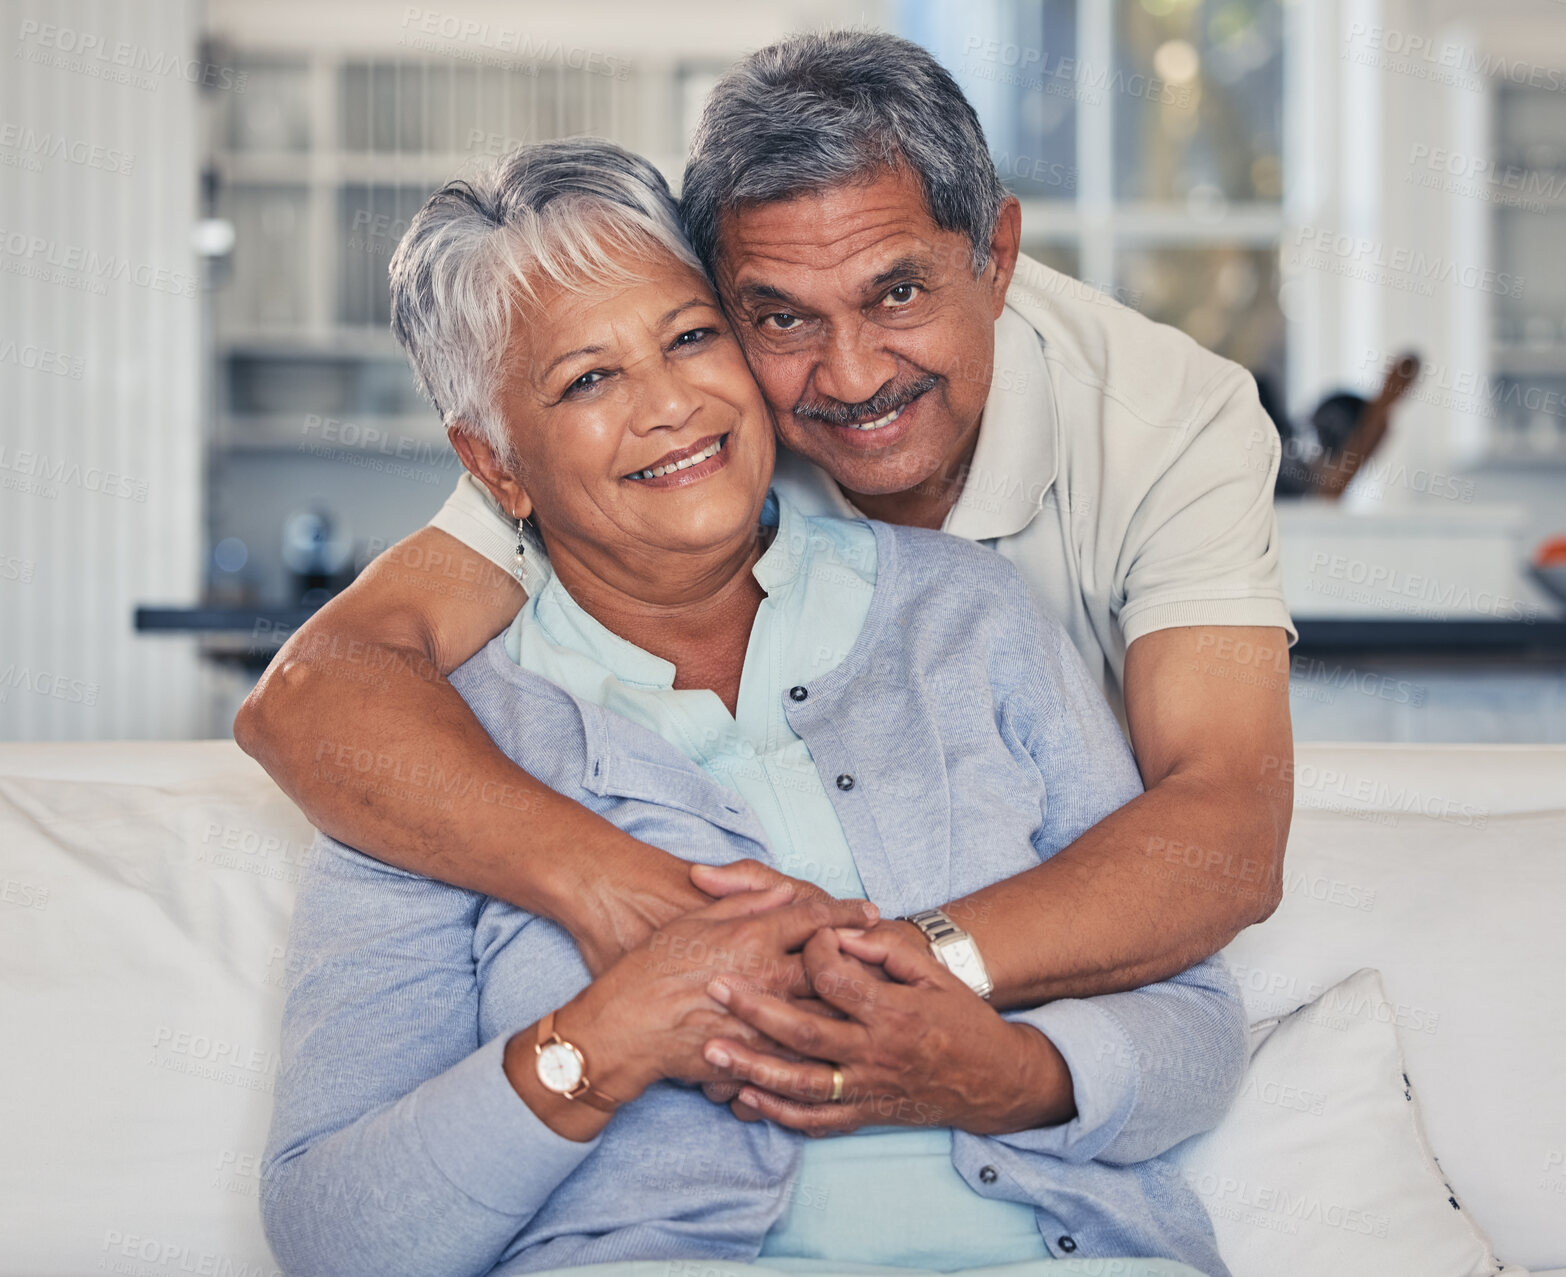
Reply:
x=900, y=296
x=694, y=338
x=586, y=381
x=781, y=322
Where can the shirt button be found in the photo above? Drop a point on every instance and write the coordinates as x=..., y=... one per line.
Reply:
x=1067, y=1244
x=845, y=782
x=988, y=1174
x=797, y=693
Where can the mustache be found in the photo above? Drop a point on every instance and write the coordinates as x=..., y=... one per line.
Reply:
x=834, y=412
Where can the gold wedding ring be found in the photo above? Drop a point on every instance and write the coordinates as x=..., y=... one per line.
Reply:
x=837, y=1086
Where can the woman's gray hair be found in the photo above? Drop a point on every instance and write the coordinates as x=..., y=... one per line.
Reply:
x=577, y=213
x=816, y=111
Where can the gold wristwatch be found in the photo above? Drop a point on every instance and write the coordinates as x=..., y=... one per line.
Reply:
x=563, y=1070
x=954, y=949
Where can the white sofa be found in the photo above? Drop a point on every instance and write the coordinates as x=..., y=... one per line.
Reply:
x=144, y=900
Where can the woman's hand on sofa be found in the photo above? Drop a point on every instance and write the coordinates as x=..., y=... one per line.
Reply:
x=915, y=1046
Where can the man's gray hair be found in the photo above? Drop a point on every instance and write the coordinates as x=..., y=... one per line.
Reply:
x=816, y=111
x=578, y=213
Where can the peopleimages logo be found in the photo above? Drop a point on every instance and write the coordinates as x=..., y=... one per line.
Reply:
x=42, y=359
x=35, y=257
x=485, y=39
x=1444, y=61
x=1278, y=1206
x=76, y=691
x=1478, y=393
x=1033, y=68
x=1312, y=784
x=1357, y=256
x=127, y=1252
x=200, y=1055
x=28, y=471
x=56, y=146
x=1411, y=592
x=87, y=51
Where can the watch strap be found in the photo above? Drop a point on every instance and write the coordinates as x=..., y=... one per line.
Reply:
x=936, y=925
x=584, y=1090
x=940, y=930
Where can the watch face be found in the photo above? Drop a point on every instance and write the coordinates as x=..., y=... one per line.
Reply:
x=962, y=960
x=559, y=1067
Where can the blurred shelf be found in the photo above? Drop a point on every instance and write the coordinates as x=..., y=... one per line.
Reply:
x=351, y=340
x=416, y=440
x=1135, y=224
x=327, y=168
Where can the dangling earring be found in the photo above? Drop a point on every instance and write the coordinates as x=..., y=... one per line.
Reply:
x=518, y=566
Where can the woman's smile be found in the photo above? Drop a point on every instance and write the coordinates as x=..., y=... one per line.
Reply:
x=685, y=466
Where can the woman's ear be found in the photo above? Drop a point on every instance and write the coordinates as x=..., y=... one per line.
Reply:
x=485, y=466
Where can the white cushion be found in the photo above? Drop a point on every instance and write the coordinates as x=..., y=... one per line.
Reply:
x=140, y=956
x=1321, y=1166
x=1461, y=912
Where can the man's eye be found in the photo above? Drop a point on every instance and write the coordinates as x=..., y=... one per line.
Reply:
x=781, y=322
x=900, y=296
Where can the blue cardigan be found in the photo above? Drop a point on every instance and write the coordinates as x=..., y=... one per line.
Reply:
x=979, y=747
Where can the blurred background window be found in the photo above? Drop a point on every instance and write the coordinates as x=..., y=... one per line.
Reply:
x=1530, y=245
x=1144, y=138
x=319, y=166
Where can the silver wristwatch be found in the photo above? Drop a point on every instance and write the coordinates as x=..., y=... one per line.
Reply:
x=954, y=949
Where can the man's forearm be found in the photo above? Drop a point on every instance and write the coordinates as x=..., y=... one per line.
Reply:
x=397, y=766
x=1158, y=885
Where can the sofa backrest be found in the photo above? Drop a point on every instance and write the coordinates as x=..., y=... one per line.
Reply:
x=144, y=899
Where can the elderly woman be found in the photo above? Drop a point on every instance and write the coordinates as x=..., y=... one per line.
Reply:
x=718, y=675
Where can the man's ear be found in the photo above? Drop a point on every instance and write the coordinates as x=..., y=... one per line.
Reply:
x=485, y=466
x=1005, y=244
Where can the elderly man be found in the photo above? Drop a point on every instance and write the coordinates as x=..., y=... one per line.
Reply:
x=920, y=372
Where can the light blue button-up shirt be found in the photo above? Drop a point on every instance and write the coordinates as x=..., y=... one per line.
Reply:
x=886, y=1195
x=978, y=747
x=819, y=578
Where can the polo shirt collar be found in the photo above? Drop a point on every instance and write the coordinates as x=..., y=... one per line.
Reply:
x=1016, y=457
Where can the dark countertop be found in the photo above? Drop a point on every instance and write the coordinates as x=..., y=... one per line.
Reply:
x=1470, y=639
x=1464, y=638
x=258, y=621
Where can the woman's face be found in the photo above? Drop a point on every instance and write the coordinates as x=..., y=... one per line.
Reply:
x=637, y=427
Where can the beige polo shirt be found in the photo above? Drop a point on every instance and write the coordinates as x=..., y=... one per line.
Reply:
x=1125, y=470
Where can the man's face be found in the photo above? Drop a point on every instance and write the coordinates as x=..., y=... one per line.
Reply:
x=863, y=321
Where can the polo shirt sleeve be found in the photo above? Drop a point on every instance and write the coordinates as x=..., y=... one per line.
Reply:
x=1202, y=546
x=472, y=517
